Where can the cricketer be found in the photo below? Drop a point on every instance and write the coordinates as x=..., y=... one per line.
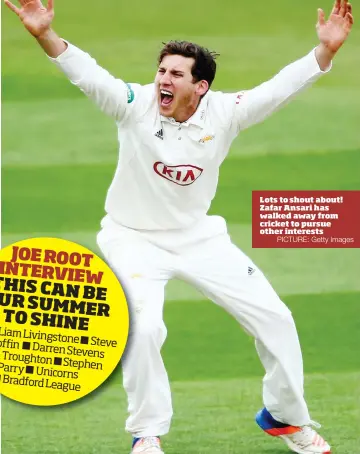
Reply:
x=174, y=134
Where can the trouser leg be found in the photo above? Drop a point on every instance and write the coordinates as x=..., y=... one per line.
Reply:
x=140, y=268
x=230, y=279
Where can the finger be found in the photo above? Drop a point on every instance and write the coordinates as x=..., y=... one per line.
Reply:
x=50, y=5
x=12, y=7
x=321, y=17
x=349, y=19
x=349, y=8
x=343, y=8
x=336, y=8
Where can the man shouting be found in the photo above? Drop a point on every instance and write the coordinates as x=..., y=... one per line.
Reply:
x=174, y=134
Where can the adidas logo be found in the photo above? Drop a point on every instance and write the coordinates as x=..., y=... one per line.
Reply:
x=251, y=270
x=160, y=134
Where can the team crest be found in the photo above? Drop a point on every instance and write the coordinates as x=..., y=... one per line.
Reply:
x=206, y=139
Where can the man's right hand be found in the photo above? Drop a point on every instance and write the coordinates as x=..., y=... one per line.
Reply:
x=36, y=18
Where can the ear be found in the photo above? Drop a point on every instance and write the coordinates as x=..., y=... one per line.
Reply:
x=202, y=87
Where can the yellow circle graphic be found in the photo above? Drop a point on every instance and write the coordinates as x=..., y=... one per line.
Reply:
x=64, y=321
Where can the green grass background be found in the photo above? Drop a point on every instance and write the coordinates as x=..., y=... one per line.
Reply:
x=59, y=155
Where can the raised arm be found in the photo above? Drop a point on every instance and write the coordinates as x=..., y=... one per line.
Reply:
x=253, y=106
x=110, y=94
x=37, y=20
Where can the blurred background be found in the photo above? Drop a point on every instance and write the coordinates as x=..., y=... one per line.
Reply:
x=58, y=158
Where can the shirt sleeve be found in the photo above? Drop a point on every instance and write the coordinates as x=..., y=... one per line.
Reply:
x=111, y=95
x=253, y=106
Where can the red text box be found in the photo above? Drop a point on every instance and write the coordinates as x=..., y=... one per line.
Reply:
x=306, y=219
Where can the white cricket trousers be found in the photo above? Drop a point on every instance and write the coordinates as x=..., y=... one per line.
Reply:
x=205, y=257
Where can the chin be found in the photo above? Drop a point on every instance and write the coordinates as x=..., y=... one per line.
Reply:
x=166, y=112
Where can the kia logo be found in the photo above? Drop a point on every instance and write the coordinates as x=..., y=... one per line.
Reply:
x=182, y=175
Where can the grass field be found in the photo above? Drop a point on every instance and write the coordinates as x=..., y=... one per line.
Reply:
x=59, y=155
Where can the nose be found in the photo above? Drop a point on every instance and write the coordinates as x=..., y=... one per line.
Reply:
x=165, y=79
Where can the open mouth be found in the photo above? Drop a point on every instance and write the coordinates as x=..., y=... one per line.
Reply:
x=166, y=98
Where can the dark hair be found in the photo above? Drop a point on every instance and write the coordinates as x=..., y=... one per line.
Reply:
x=204, y=67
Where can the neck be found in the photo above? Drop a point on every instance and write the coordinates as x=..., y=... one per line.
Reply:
x=187, y=112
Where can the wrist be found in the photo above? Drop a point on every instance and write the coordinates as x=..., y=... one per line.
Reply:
x=324, y=56
x=51, y=43
x=44, y=35
x=326, y=51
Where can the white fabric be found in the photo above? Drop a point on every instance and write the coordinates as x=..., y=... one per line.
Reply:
x=168, y=180
x=220, y=270
x=157, y=228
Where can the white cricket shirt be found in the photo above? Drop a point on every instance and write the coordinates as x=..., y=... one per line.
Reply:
x=167, y=172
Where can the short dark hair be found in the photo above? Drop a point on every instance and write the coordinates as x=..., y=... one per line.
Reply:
x=204, y=67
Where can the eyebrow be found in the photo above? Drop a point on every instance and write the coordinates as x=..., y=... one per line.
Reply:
x=173, y=71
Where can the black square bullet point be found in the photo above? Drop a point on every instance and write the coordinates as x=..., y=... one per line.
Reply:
x=57, y=361
x=26, y=345
x=29, y=369
x=84, y=340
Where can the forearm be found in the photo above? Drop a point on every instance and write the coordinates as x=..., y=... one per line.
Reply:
x=257, y=104
x=109, y=94
x=324, y=56
x=52, y=44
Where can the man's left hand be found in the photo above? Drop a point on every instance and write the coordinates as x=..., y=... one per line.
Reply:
x=333, y=32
